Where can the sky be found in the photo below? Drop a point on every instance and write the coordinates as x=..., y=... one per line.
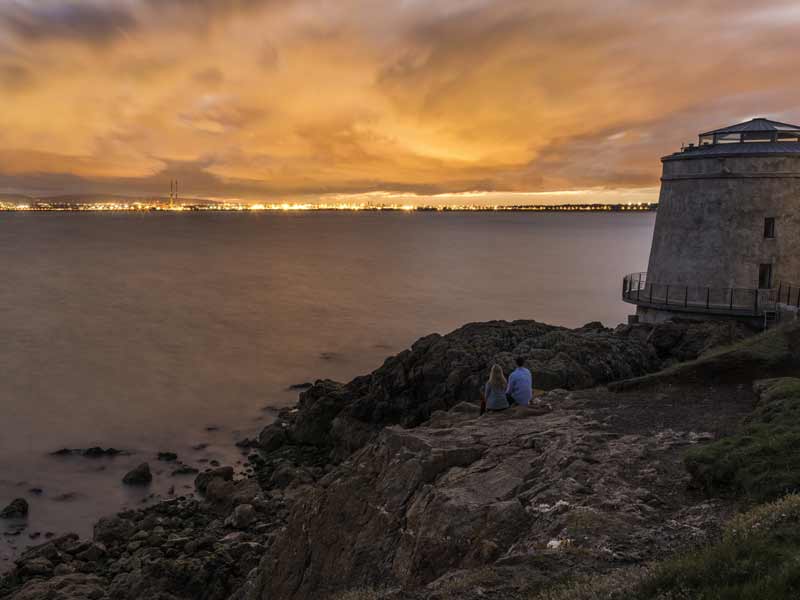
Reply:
x=433, y=101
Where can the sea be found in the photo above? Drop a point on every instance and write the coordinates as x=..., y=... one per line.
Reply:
x=185, y=331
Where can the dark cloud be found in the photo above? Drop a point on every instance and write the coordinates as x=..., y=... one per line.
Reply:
x=84, y=21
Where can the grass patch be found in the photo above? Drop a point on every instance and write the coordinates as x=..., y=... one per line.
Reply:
x=757, y=557
x=766, y=348
x=767, y=354
x=617, y=585
x=762, y=459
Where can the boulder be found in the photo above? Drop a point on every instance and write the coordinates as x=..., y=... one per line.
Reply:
x=185, y=470
x=92, y=553
x=98, y=452
x=666, y=336
x=18, y=509
x=220, y=491
x=141, y=475
x=202, y=481
x=37, y=567
x=272, y=437
x=242, y=516
x=76, y=586
x=319, y=405
x=114, y=530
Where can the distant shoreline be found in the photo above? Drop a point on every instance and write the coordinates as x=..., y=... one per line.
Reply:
x=137, y=207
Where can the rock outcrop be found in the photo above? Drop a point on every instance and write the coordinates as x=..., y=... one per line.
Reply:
x=438, y=372
x=394, y=480
x=540, y=494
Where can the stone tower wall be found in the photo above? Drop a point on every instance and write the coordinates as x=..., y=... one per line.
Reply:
x=710, y=225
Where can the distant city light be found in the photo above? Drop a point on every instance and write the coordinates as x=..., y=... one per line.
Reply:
x=159, y=206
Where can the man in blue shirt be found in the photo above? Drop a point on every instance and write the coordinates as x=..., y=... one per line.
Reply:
x=520, y=384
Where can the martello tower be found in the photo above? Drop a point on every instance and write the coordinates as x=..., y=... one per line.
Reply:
x=727, y=233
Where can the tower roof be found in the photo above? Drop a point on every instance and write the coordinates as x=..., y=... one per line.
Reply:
x=754, y=125
x=759, y=136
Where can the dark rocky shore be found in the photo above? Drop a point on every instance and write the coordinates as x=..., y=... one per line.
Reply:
x=392, y=485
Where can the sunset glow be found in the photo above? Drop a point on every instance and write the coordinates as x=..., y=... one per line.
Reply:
x=317, y=101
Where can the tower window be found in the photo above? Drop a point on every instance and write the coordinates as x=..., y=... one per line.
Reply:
x=765, y=276
x=769, y=227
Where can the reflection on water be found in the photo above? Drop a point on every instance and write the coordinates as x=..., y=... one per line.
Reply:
x=141, y=331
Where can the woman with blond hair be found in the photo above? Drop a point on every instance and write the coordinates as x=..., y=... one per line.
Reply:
x=494, y=392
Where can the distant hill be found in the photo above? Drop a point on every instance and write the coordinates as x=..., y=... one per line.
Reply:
x=97, y=198
x=16, y=198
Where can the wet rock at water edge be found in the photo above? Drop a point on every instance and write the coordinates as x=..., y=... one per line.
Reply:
x=97, y=452
x=93, y=452
x=185, y=470
x=272, y=437
x=167, y=456
x=18, y=509
x=203, y=479
x=300, y=386
x=247, y=443
x=141, y=475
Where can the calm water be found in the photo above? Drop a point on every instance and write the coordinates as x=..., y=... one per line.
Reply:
x=142, y=331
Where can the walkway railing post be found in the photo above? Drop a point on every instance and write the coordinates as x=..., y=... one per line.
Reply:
x=731, y=298
x=708, y=298
x=666, y=298
x=686, y=297
x=755, y=306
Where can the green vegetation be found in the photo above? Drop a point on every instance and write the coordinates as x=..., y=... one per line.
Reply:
x=757, y=557
x=767, y=349
x=758, y=554
x=762, y=459
x=775, y=352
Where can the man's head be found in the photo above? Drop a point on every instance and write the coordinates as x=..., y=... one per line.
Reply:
x=520, y=361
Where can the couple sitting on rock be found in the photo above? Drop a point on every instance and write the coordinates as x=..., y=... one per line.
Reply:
x=499, y=394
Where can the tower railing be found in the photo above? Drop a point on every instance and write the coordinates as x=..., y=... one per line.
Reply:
x=787, y=296
x=636, y=289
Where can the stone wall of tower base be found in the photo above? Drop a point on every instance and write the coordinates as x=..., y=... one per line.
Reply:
x=655, y=315
x=710, y=225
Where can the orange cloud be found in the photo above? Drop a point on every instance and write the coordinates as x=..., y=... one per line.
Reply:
x=266, y=98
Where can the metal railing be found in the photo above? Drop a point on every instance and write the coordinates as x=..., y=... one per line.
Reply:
x=787, y=295
x=636, y=289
